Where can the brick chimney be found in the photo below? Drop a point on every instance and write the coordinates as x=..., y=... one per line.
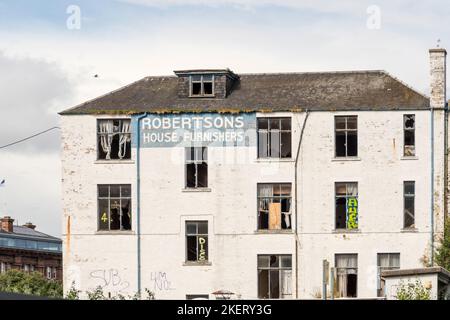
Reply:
x=29, y=225
x=6, y=224
x=438, y=78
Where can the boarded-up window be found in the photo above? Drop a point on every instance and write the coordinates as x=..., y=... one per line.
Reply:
x=274, y=206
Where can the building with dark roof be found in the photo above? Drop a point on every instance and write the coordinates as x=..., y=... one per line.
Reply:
x=251, y=184
x=25, y=248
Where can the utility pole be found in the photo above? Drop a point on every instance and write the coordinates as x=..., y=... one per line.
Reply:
x=325, y=278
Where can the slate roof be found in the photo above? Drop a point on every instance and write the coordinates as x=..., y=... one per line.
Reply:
x=25, y=232
x=266, y=92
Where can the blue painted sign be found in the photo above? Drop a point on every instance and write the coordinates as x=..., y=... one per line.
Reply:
x=203, y=129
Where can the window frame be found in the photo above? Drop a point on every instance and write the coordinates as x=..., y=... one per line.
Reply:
x=98, y=133
x=202, y=85
x=346, y=130
x=258, y=198
x=197, y=235
x=413, y=130
x=380, y=269
x=268, y=131
x=346, y=268
x=120, y=198
x=405, y=197
x=196, y=162
x=346, y=210
x=269, y=268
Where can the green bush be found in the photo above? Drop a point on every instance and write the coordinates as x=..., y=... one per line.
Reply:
x=413, y=291
x=33, y=283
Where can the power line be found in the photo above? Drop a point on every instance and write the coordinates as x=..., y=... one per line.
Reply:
x=29, y=137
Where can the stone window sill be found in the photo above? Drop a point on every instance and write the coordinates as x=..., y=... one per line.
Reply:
x=263, y=160
x=115, y=232
x=338, y=159
x=114, y=162
x=346, y=230
x=196, y=264
x=282, y=231
x=409, y=158
x=409, y=230
x=196, y=190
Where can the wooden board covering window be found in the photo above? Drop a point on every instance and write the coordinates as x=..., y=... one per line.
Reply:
x=275, y=216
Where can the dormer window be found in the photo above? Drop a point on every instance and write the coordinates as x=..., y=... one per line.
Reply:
x=202, y=85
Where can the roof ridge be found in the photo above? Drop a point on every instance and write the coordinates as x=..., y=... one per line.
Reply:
x=312, y=72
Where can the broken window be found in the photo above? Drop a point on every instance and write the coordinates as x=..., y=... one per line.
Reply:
x=347, y=275
x=409, y=195
x=202, y=85
x=346, y=205
x=274, y=206
x=113, y=139
x=274, y=138
x=274, y=276
x=197, y=241
x=114, y=207
x=196, y=167
x=346, y=136
x=409, y=133
x=386, y=262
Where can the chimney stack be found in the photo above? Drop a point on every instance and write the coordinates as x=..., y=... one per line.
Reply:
x=29, y=225
x=6, y=224
x=438, y=78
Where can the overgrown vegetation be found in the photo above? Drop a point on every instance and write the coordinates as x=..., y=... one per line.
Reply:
x=413, y=291
x=442, y=257
x=98, y=294
x=33, y=283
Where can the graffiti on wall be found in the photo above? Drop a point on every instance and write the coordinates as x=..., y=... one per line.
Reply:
x=109, y=279
x=160, y=281
x=352, y=213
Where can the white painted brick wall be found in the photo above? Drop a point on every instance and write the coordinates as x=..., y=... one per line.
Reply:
x=93, y=259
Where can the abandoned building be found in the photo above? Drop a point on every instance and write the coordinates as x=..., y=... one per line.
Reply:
x=213, y=181
x=24, y=248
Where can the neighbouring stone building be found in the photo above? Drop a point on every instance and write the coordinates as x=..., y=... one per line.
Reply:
x=25, y=248
x=211, y=181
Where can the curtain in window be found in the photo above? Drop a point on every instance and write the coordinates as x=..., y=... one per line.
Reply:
x=346, y=264
x=287, y=216
x=106, y=129
x=286, y=283
x=266, y=191
x=124, y=138
x=347, y=261
x=352, y=189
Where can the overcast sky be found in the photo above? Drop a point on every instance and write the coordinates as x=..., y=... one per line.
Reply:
x=47, y=65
